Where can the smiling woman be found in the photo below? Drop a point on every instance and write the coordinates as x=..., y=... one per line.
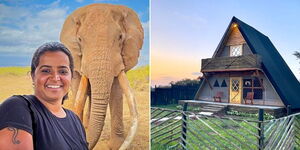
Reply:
x=39, y=121
x=52, y=76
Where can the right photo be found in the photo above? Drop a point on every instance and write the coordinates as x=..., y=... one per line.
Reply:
x=225, y=75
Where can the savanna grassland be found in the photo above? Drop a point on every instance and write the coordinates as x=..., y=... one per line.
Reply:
x=17, y=81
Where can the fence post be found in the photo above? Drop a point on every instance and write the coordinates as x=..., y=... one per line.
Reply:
x=261, y=129
x=184, y=126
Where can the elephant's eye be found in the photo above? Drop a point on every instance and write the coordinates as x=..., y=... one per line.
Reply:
x=79, y=39
x=120, y=37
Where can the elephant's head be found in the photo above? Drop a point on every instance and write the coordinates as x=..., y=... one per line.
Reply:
x=105, y=41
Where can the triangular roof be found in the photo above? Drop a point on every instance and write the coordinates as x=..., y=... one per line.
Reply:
x=273, y=65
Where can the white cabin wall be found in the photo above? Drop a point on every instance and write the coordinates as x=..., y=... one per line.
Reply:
x=271, y=96
x=207, y=94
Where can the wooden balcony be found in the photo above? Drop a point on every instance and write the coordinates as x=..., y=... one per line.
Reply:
x=239, y=63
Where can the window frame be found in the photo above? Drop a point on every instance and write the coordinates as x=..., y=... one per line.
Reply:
x=253, y=88
x=234, y=46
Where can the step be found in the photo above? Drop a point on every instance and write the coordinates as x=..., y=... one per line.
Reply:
x=212, y=105
x=213, y=108
x=210, y=110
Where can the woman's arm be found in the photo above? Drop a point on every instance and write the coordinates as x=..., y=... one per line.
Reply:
x=15, y=139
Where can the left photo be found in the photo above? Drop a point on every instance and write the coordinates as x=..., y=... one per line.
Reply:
x=74, y=74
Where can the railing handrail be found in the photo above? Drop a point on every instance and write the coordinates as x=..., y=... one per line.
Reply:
x=209, y=116
x=228, y=61
x=282, y=118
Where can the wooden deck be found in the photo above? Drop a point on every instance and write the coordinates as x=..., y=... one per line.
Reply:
x=273, y=110
x=229, y=104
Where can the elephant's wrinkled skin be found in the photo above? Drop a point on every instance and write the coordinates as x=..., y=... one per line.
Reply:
x=105, y=41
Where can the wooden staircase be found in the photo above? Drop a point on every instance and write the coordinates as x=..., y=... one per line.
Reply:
x=213, y=108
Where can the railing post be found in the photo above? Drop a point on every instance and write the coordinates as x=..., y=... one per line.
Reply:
x=288, y=110
x=184, y=126
x=261, y=129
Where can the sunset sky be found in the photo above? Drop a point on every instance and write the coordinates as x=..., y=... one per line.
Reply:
x=184, y=32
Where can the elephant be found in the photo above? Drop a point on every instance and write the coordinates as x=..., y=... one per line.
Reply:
x=105, y=41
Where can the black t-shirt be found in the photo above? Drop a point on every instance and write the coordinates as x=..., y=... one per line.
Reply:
x=49, y=132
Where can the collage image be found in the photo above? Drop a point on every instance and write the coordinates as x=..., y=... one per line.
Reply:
x=149, y=75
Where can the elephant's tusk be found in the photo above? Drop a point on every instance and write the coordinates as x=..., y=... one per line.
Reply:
x=124, y=83
x=81, y=96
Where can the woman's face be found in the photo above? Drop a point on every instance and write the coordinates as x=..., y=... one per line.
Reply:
x=52, y=76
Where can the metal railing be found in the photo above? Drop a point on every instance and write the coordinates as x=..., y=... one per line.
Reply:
x=176, y=129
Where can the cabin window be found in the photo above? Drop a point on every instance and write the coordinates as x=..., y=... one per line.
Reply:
x=216, y=84
x=254, y=85
x=247, y=83
x=236, y=50
x=223, y=84
x=258, y=94
x=235, y=85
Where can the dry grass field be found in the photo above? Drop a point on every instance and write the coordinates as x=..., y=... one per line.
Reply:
x=17, y=81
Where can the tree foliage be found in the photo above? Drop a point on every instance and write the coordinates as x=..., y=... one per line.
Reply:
x=185, y=82
x=297, y=54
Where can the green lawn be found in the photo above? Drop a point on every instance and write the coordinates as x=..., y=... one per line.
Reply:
x=171, y=106
x=207, y=132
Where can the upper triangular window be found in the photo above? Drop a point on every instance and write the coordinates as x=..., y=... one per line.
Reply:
x=236, y=50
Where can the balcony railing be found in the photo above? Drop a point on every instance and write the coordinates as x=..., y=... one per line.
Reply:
x=244, y=62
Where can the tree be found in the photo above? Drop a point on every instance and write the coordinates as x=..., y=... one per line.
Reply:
x=297, y=54
x=185, y=82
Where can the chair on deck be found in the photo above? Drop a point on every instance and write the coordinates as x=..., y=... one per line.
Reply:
x=218, y=96
x=249, y=97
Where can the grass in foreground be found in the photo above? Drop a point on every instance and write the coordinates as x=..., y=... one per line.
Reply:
x=139, y=78
x=17, y=80
x=207, y=131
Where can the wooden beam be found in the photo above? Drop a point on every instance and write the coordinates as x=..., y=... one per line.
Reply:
x=233, y=74
x=229, y=86
x=226, y=70
x=204, y=76
x=259, y=80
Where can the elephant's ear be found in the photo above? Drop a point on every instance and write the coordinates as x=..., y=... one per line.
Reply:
x=133, y=41
x=70, y=39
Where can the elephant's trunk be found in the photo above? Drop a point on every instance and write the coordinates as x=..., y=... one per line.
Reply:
x=100, y=79
x=99, y=100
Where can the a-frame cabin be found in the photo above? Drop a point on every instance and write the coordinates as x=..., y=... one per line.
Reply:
x=246, y=65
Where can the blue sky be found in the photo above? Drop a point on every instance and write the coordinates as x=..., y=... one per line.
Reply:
x=26, y=24
x=184, y=32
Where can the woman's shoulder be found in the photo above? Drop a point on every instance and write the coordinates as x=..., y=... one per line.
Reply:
x=14, y=101
x=14, y=112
